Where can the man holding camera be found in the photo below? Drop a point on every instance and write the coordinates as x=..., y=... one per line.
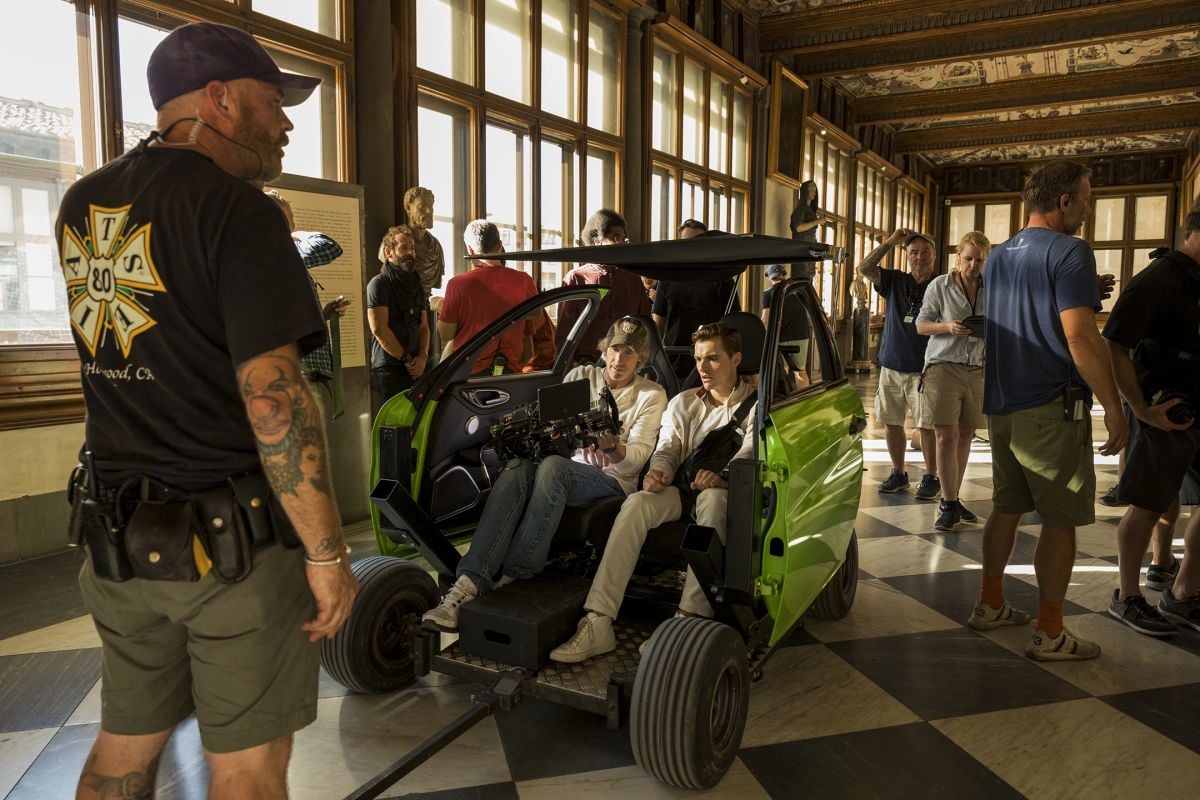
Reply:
x=1153, y=335
x=522, y=513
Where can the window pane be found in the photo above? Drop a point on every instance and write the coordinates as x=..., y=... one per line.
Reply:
x=604, y=71
x=1109, y=261
x=601, y=179
x=997, y=222
x=861, y=192
x=47, y=144
x=663, y=112
x=692, y=203
x=445, y=45
x=693, y=111
x=320, y=16
x=818, y=167
x=560, y=58
x=443, y=136
x=1150, y=217
x=506, y=48
x=741, y=147
x=810, y=141
x=962, y=221
x=557, y=166
x=829, y=190
x=1141, y=259
x=662, y=204
x=137, y=42
x=738, y=204
x=313, y=144
x=509, y=200
x=718, y=125
x=1110, y=219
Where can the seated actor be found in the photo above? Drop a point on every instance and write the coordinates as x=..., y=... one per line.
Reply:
x=522, y=513
x=690, y=416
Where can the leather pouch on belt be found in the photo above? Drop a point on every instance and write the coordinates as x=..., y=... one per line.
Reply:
x=158, y=540
x=223, y=534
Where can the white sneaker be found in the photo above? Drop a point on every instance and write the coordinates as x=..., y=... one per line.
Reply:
x=1066, y=647
x=444, y=617
x=593, y=637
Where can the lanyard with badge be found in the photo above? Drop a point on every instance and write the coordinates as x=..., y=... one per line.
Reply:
x=916, y=296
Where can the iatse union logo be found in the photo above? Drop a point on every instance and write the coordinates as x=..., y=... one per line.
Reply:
x=109, y=270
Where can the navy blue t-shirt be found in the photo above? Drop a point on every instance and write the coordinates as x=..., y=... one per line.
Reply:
x=1029, y=280
x=902, y=348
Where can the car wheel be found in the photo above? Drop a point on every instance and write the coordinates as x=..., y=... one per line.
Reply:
x=372, y=653
x=836, y=599
x=690, y=700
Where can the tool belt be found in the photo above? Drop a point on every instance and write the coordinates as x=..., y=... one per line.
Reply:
x=145, y=529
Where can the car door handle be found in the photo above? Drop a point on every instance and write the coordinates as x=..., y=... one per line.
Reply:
x=486, y=398
x=857, y=424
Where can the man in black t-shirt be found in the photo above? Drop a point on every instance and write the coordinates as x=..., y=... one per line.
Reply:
x=681, y=307
x=190, y=310
x=398, y=313
x=1153, y=336
x=794, y=331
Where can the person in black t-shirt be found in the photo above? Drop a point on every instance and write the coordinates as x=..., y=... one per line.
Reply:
x=681, y=307
x=398, y=312
x=190, y=309
x=1153, y=336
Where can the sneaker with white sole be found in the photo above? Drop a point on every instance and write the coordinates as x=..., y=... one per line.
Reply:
x=1185, y=611
x=1064, y=647
x=930, y=488
x=966, y=514
x=1160, y=578
x=593, y=637
x=1135, y=612
x=986, y=618
x=444, y=616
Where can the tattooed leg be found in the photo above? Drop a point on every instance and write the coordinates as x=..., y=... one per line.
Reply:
x=122, y=767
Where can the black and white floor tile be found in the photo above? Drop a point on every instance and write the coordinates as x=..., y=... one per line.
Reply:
x=897, y=700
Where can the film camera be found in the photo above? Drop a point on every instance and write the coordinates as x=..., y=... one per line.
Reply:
x=561, y=421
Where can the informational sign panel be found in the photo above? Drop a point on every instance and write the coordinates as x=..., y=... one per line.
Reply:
x=335, y=209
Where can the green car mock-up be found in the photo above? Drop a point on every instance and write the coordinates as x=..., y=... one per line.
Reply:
x=790, y=548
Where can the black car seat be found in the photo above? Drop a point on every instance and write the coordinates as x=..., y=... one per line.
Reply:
x=754, y=336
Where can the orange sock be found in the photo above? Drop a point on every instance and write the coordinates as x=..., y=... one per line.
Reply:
x=1049, y=619
x=991, y=591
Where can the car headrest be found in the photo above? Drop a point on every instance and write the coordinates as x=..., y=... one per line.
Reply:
x=656, y=357
x=754, y=335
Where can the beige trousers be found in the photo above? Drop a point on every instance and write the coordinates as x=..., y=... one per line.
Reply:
x=641, y=512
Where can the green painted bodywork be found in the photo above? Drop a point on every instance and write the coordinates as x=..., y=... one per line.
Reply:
x=816, y=469
x=398, y=412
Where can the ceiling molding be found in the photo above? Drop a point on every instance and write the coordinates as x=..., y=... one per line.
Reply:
x=978, y=30
x=1052, y=129
x=1182, y=75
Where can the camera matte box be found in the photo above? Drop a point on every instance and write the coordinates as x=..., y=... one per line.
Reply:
x=522, y=622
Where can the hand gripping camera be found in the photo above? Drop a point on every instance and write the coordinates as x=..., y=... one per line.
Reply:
x=561, y=421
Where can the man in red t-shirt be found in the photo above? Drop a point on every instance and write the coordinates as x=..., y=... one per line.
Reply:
x=478, y=298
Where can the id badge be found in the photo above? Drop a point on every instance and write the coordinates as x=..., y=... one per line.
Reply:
x=909, y=319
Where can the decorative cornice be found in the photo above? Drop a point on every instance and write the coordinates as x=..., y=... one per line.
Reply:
x=962, y=137
x=1182, y=75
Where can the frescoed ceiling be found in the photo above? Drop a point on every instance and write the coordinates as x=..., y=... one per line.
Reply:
x=993, y=80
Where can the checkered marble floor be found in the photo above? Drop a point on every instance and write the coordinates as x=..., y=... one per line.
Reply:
x=897, y=700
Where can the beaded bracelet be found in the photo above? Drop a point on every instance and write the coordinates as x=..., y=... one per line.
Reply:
x=327, y=562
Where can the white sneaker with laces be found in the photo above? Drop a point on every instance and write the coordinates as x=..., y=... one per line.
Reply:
x=593, y=637
x=444, y=616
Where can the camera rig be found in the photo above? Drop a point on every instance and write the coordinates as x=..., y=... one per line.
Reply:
x=523, y=433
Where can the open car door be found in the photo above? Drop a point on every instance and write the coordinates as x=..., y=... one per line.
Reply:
x=431, y=470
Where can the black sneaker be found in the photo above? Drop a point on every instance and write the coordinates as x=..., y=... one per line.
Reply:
x=966, y=514
x=929, y=488
x=1111, y=499
x=1185, y=611
x=948, y=515
x=895, y=482
x=1140, y=615
x=1160, y=578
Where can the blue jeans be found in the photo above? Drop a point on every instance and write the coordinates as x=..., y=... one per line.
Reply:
x=517, y=542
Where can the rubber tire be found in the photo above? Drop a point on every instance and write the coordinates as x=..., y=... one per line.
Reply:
x=372, y=653
x=693, y=670
x=837, y=598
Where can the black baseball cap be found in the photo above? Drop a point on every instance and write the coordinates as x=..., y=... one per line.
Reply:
x=193, y=55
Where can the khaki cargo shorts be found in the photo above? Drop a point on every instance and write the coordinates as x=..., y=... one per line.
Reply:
x=952, y=394
x=1043, y=463
x=897, y=397
x=232, y=653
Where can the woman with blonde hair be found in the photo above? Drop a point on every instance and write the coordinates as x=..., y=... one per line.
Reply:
x=952, y=382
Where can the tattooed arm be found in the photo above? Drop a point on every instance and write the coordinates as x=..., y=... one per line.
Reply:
x=291, y=443
x=871, y=265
